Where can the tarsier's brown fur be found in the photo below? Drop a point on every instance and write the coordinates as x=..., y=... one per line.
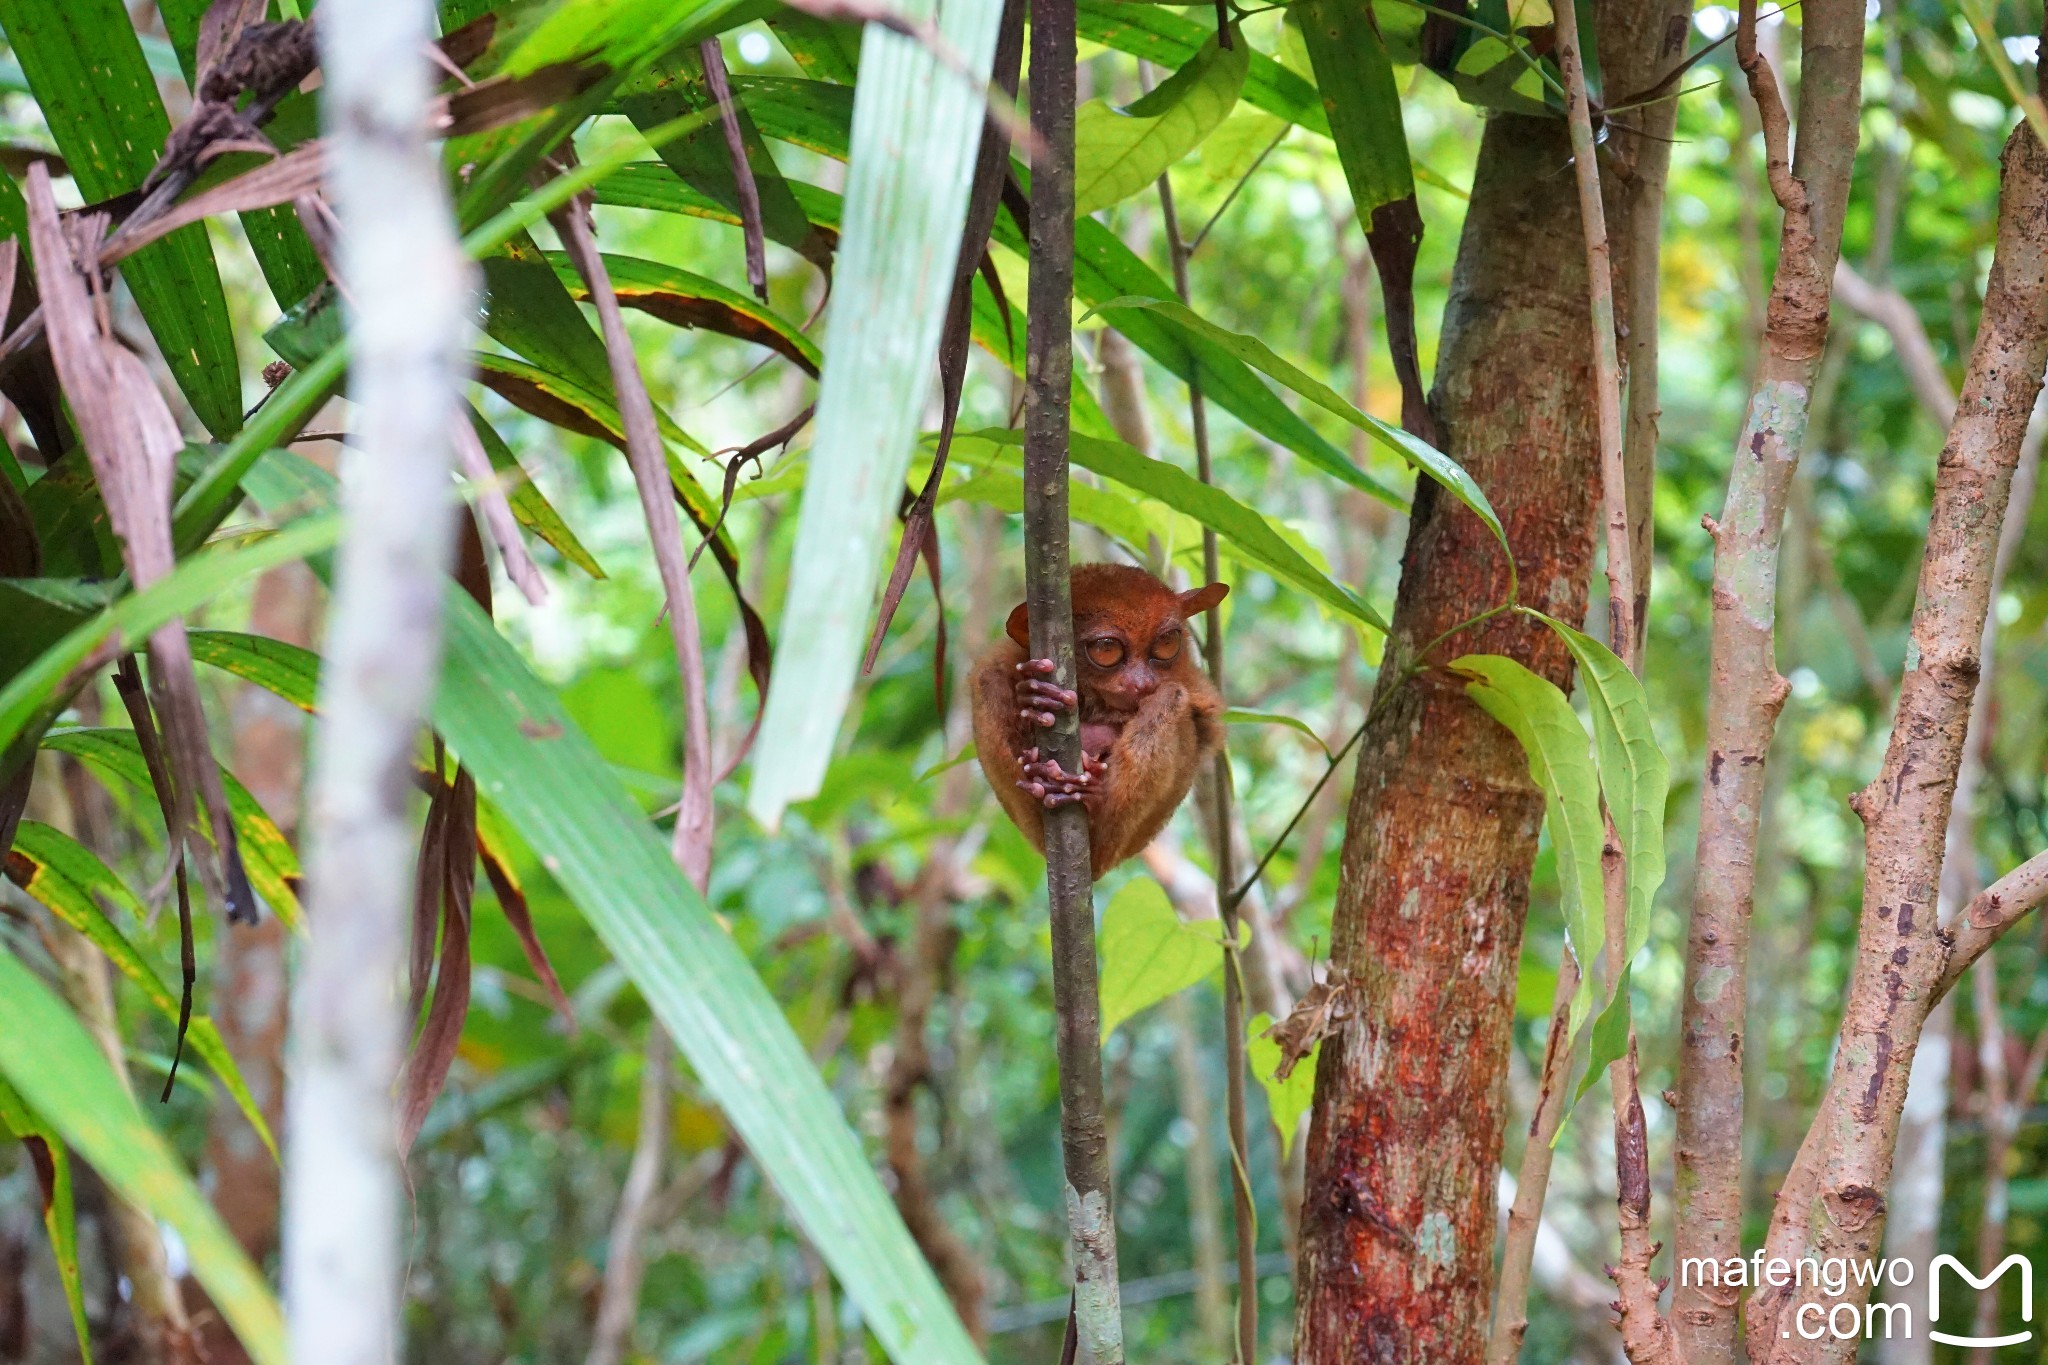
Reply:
x=1150, y=717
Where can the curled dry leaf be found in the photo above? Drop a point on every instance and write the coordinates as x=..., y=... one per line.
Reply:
x=132, y=443
x=1322, y=1007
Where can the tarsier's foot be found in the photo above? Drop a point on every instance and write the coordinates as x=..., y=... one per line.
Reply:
x=1048, y=783
x=1040, y=700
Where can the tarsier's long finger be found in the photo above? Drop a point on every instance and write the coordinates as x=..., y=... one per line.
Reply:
x=1044, y=667
x=1054, y=800
x=1045, y=719
x=1034, y=690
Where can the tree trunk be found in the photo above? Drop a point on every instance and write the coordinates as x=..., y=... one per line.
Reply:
x=1404, y=1149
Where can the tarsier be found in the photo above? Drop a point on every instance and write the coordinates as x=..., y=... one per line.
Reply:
x=1149, y=715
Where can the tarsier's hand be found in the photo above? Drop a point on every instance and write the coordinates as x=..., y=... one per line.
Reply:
x=1045, y=781
x=1039, y=699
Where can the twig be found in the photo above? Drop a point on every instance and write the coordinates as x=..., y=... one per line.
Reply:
x=1048, y=391
x=1645, y=1332
x=625, y=1260
x=413, y=302
x=692, y=842
x=1889, y=309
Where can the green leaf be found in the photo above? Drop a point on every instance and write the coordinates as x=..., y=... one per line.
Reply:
x=1261, y=357
x=76, y=886
x=64, y=1078
x=822, y=49
x=915, y=135
x=203, y=506
x=59, y=1212
x=542, y=773
x=1251, y=535
x=532, y=313
x=1239, y=716
x=529, y=505
x=566, y=402
x=1286, y=1100
x=676, y=84
x=619, y=32
x=273, y=665
x=1167, y=38
x=283, y=252
x=1361, y=99
x=266, y=853
x=33, y=695
x=684, y=299
x=1149, y=952
x=1561, y=761
x=805, y=112
x=1118, y=152
x=1633, y=772
x=93, y=86
x=1609, y=1042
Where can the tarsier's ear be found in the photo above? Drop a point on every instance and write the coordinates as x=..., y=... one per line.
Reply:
x=1195, y=601
x=1018, y=627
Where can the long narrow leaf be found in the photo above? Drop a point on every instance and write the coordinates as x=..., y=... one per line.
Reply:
x=69, y=878
x=267, y=855
x=60, y=1214
x=541, y=772
x=1261, y=357
x=47, y=1057
x=36, y=691
x=94, y=88
x=1247, y=530
x=1561, y=761
x=916, y=131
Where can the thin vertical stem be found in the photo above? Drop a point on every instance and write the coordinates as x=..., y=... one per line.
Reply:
x=411, y=290
x=1049, y=367
x=1245, y=1215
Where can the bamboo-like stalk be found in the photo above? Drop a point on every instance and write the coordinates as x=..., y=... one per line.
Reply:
x=411, y=290
x=1048, y=393
x=625, y=1265
x=1223, y=850
x=1745, y=691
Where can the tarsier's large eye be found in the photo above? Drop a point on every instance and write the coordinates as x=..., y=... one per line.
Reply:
x=1167, y=647
x=1105, y=651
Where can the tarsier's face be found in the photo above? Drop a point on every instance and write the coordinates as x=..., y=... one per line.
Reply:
x=1121, y=665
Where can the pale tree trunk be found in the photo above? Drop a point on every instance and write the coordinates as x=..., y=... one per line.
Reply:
x=411, y=293
x=1831, y=1203
x=1397, y=1228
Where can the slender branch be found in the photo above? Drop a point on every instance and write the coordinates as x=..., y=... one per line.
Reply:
x=1888, y=308
x=625, y=1263
x=1990, y=914
x=1745, y=691
x=1048, y=392
x=1831, y=1204
x=412, y=291
x=645, y=453
x=1244, y=1214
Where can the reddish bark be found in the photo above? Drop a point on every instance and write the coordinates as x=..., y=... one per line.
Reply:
x=1398, y=1223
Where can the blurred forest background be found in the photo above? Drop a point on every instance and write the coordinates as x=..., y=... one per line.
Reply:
x=921, y=985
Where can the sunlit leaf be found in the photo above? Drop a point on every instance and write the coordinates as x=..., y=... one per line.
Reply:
x=915, y=134
x=541, y=772
x=64, y=1078
x=1118, y=152
x=1149, y=952
x=60, y=1217
x=76, y=886
x=1261, y=357
x=1288, y=1101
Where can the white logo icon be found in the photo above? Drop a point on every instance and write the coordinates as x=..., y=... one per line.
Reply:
x=2026, y=1298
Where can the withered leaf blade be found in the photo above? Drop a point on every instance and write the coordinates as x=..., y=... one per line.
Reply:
x=132, y=442
x=426, y=1072
x=519, y=915
x=713, y=55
